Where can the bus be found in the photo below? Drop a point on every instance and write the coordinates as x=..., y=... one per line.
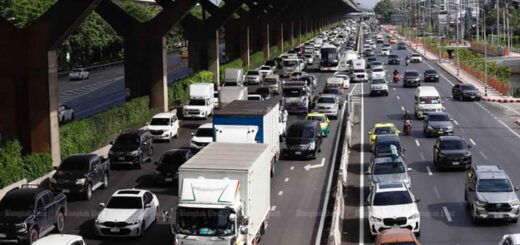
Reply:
x=329, y=58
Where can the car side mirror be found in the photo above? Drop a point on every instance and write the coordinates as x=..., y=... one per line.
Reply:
x=469, y=146
x=369, y=133
x=111, y=142
x=193, y=134
x=471, y=188
x=517, y=189
x=102, y=204
x=417, y=200
x=55, y=168
x=409, y=169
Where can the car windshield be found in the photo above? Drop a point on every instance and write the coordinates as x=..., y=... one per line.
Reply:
x=123, y=202
x=197, y=102
x=384, y=130
x=127, y=139
x=16, y=202
x=300, y=132
x=308, y=56
x=204, y=222
x=416, y=55
x=77, y=70
x=389, y=168
x=74, y=165
x=385, y=147
x=438, y=117
x=494, y=185
x=253, y=97
x=316, y=118
x=253, y=73
x=378, y=70
x=204, y=132
x=411, y=74
x=230, y=84
x=452, y=145
x=399, y=243
x=467, y=87
x=359, y=70
x=378, y=81
x=326, y=100
x=160, y=121
x=431, y=72
x=392, y=198
x=293, y=92
x=393, y=56
x=331, y=90
x=289, y=63
x=430, y=100
x=270, y=81
x=265, y=68
x=264, y=91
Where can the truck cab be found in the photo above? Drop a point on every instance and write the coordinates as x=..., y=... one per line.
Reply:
x=296, y=96
x=201, y=103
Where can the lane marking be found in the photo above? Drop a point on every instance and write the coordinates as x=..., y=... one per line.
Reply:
x=286, y=179
x=362, y=178
x=280, y=193
x=422, y=156
x=472, y=141
x=398, y=97
x=394, y=89
x=447, y=213
x=309, y=166
x=436, y=192
x=456, y=123
x=483, y=155
x=402, y=108
x=510, y=129
x=292, y=167
x=273, y=208
x=417, y=143
x=429, y=170
x=462, y=130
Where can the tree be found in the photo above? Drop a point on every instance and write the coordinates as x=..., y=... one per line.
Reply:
x=385, y=8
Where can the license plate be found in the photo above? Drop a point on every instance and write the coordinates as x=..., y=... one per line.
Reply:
x=168, y=179
x=115, y=229
x=294, y=108
x=472, y=96
x=498, y=216
x=2, y=235
x=66, y=191
x=455, y=163
x=297, y=153
x=121, y=158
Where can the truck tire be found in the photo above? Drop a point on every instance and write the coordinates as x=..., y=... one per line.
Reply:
x=33, y=236
x=88, y=192
x=272, y=171
x=105, y=181
x=60, y=222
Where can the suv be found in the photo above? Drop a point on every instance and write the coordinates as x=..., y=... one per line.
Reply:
x=164, y=126
x=431, y=75
x=131, y=148
x=304, y=137
x=393, y=59
x=392, y=205
x=359, y=75
x=30, y=213
x=412, y=78
x=202, y=136
x=81, y=174
x=328, y=105
x=451, y=152
x=388, y=168
x=490, y=194
x=416, y=58
x=437, y=123
x=378, y=86
x=401, y=46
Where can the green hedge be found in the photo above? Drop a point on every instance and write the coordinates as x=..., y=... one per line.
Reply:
x=179, y=91
x=16, y=166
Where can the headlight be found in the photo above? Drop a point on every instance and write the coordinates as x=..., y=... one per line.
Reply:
x=430, y=127
x=375, y=219
x=81, y=181
x=514, y=203
x=98, y=222
x=21, y=227
x=53, y=180
x=312, y=146
x=414, y=216
x=134, y=153
x=479, y=203
x=134, y=223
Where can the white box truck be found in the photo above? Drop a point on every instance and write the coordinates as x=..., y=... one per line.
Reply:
x=233, y=77
x=227, y=95
x=224, y=195
x=250, y=122
x=201, y=103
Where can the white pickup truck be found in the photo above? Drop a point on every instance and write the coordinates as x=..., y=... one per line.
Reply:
x=201, y=103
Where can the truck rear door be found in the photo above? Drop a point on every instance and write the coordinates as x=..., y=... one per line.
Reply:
x=235, y=134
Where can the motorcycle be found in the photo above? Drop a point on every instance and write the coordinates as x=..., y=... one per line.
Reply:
x=407, y=62
x=407, y=127
x=396, y=78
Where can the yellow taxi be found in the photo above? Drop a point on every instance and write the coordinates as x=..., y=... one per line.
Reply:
x=323, y=119
x=392, y=40
x=380, y=129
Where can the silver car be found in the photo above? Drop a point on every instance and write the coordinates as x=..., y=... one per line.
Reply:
x=253, y=77
x=490, y=194
x=388, y=169
x=327, y=104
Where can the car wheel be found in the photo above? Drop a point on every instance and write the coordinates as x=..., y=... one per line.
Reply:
x=139, y=164
x=143, y=228
x=33, y=236
x=72, y=117
x=418, y=234
x=105, y=181
x=88, y=192
x=60, y=222
x=515, y=220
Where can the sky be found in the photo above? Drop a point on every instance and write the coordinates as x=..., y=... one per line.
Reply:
x=367, y=3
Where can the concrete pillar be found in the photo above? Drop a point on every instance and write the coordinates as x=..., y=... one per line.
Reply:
x=279, y=39
x=265, y=40
x=299, y=33
x=213, y=56
x=194, y=55
x=291, y=34
x=244, y=42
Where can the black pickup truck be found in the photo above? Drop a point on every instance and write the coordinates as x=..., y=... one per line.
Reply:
x=81, y=174
x=30, y=213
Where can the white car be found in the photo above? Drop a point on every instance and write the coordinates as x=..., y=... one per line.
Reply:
x=378, y=73
x=392, y=205
x=164, y=126
x=60, y=239
x=510, y=239
x=328, y=105
x=346, y=78
x=79, y=74
x=253, y=77
x=378, y=86
x=359, y=75
x=309, y=58
x=129, y=212
x=416, y=58
x=203, y=136
x=385, y=52
x=265, y=70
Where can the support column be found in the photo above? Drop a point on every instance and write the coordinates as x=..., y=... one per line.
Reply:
x=194, y=55
x=279, y=40
x=291, y=35
x=244, y=42
x=299, y=33
x=265, y=40
x=213, y=56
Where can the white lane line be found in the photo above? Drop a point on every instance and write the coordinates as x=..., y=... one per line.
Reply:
x=292, y=167
x=362, y=179
x=422, y=156
x=394, y=89
x=447, y=213
x=456, y=123
x=280, y=193
x=398, y=97
x=462, y=130
x=402, y=108
x=417, y=142
x=286, y=179
x=436, y=192
x=472, y=141
x=483, y=155
x=273, y=208
x=429, y=170
x=510, y=129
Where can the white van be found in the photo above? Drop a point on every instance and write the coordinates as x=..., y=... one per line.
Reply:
x=359, y=73
x=426, y=100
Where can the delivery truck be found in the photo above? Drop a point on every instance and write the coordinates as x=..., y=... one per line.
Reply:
x=227, y=95
x=201, y=103
x=224, y=195
x=250, y=122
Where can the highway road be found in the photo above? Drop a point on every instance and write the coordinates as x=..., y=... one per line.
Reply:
x=444, y=216
x=296, y=195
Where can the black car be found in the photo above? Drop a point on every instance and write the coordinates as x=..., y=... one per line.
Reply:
x=383, y=142
x=431, y=75
x=278, y=61
x=272, y=64
x=167, y=169
x=368, y=52
x=266, y=93
x=28, y=214
x=451, y=152
x=437, y=123
x=411, y=78
x=131, y=148
x=304, y=138
x=369, y=62
x=81, y=174
x=465, y=92
x=393, y=59
x=401, y=46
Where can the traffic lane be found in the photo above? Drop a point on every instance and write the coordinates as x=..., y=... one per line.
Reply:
x=296, y=194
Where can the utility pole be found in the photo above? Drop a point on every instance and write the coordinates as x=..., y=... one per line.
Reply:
x=498, y=20
x=457, y=40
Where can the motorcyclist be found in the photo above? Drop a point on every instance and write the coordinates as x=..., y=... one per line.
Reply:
x=396, y=72
x=407, y=60
x=407, y=120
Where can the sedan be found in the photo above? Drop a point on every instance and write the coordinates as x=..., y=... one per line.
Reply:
x=393, y=59
x=167, y=169
x=431, y=75
x=378, y=73
x=323, y=119
x=416, y=58
x=438, y=123
x=465, y=92
x=451, y=152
